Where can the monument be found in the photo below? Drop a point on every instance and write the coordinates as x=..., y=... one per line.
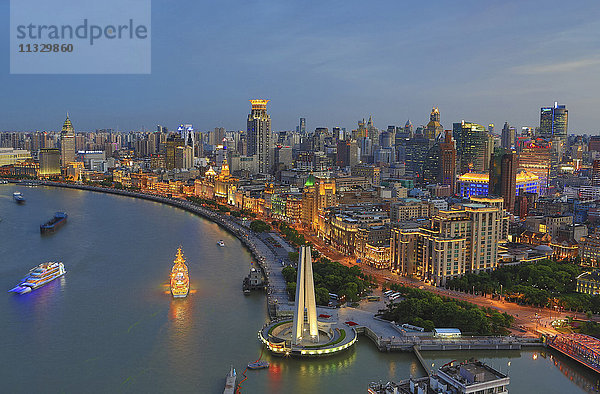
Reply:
x=305, y=314
x=304, y=336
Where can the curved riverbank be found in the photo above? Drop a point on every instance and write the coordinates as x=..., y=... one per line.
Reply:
x=276, y=293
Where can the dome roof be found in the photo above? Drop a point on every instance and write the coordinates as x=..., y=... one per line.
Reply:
x=310, y=181
x=543, y=248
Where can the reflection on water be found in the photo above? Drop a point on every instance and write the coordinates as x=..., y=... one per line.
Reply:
x=115, y=328
x=575, y=375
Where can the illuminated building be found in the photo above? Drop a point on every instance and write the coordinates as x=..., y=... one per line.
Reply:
x=174, y=152
x=535, y=158
x=590, y=250
x=259, y=135
x=49, y=162
x=477, y=184
x=474, y=145
x=67, y=143
x=12, y=156
x=342, y=224
x=409, y=209
x=455, y=242
x=448, y=162
x=589, y=283
x=554, y=122
x=434, y=128
x=305, y=305
x=373, y=246
x=318, y=194
x=74, y=170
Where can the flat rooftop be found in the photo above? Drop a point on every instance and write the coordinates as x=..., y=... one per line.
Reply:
x=472, y=373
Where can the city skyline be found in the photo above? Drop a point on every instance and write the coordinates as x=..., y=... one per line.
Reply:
x=478, y=62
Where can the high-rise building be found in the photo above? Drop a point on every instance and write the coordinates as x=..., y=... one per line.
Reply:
x=448, y=162
x=302, y=126
x=508, y=136
x=474, y=146
x=175, y=152
x=259, y=135
x=454, y=242
x=503, y=178
x=67, y=143
x=49, y=162
x=536, y=158
x=434, y=128
x=554, y=122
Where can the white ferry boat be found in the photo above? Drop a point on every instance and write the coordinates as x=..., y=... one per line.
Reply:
x=39, y=276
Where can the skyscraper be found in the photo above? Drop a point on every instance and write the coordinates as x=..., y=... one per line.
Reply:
x=434, y=128
x=302, y=126
x=67, y=143
x=448, y=162
x=259, y=135
x=508, y=136
x=503, y=178
x=536, y=158
x=175, y=144
x=554, y=121
x=473, y=146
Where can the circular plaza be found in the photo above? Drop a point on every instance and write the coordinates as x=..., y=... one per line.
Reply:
x=277, y=336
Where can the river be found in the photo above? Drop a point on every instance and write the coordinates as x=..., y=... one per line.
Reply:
x=109, y=325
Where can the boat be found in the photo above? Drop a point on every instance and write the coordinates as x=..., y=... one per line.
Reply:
x=230, y=382
x=39, y=276
x=180, y=280
x=18, y=197
x=29, y=183
x=221, y=243
x=258, y=365
x=57, y=221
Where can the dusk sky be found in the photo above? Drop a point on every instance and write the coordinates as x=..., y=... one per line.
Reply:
x=333, y=62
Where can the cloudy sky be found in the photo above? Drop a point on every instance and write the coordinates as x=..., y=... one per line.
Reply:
x=333, y=62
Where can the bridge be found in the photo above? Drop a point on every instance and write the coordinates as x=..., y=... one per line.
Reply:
x=582, y=348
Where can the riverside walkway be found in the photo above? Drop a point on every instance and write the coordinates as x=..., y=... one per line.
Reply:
x=386, y=335
x=277, y=297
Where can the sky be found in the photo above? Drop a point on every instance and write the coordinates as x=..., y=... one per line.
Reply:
x=334, y=63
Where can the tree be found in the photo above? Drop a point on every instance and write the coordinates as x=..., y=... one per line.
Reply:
x=259, y=226
x=322, y=296
x=289, y=274
x=293, y=256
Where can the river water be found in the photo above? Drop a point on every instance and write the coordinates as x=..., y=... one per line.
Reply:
x=109, y=325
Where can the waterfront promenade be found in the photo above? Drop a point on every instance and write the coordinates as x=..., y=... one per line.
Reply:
x=263, y=253
x=386, y=335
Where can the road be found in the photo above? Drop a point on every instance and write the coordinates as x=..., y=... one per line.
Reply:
x=531, y=318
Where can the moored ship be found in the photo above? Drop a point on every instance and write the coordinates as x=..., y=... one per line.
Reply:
x=180, y=280
x=39, y=276
x=57, y=221
x=18, y=197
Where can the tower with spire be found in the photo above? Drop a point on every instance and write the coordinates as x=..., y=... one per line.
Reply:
x=434, y=128
x=67, y=143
